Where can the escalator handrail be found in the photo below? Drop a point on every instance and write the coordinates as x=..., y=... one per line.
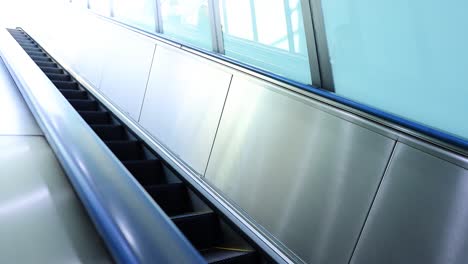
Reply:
x=134, y=228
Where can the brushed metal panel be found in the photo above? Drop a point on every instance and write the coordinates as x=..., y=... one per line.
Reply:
x=41, y=218
x=15, y=117
x=183, y=104
x=126, y=70
x=90, y=39
x=420, y=214
x=306, y=176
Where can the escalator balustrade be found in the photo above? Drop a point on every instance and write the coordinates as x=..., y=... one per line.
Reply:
x=216, y=240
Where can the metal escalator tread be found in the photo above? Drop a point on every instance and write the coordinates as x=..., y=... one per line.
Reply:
x=126, y=149
x=95, y=117
x=171, y=197
x=38, y=54
x=202, y=228
x=84, y=104
x=58, y=77
x=66, y=84
x=46, y=64
x=31, y=49
x=31, y=46
x=110, y=132
x=41, y=59
x=228, y=255
x=147, y=172
x=51, y=70
x=73, y=94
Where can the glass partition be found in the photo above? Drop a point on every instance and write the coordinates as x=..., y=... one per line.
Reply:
x=268, y=34
x=187, y=21
x=405, y=57
x=138, y=13
x=102, y=7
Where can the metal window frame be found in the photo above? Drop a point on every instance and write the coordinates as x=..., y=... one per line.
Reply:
x=315, y=27
x=216, y=27
x=158, y=23
x=312, y=52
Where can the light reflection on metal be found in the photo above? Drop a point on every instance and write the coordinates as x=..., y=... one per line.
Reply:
x=24, y=202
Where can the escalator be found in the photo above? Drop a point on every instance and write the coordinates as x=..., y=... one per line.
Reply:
x=217, y=240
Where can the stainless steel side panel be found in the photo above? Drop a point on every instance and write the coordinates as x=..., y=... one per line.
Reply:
x=90, y=39
x=420, y=214
x=306, y=176
x=183, y=104
x=126, y=69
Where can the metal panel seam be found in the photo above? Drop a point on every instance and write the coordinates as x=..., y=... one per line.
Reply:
x=217, y=127
x=147, y=81
x=395, y=143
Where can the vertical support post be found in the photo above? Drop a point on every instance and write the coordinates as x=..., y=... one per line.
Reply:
x=158, y=24
x=215, y=26
x=311, y=44
x=313, y=8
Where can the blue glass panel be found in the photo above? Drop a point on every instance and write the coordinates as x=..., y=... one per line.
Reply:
x=268, y=34
x=408, y=58
x=187, y=21
x=138, y=13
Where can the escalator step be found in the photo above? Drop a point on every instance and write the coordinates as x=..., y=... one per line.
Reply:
x=201, y=229
x=36, y=53
x=18, y=34
x=110, y=132
x=30, y=48
x=147, y=172
x=51, y=70
x=66, y=84
x=95, y=117
x=45, y=59
x=33, y=46
x=126, y=149
x=84, y=104
x=229, y=256
x=74, y=94
x=24, y=41
x=172, y=198
x=58, y=77
x=46, y=64
x=21, y=35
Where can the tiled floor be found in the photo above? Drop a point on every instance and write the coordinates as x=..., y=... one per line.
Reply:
x=41, y=218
